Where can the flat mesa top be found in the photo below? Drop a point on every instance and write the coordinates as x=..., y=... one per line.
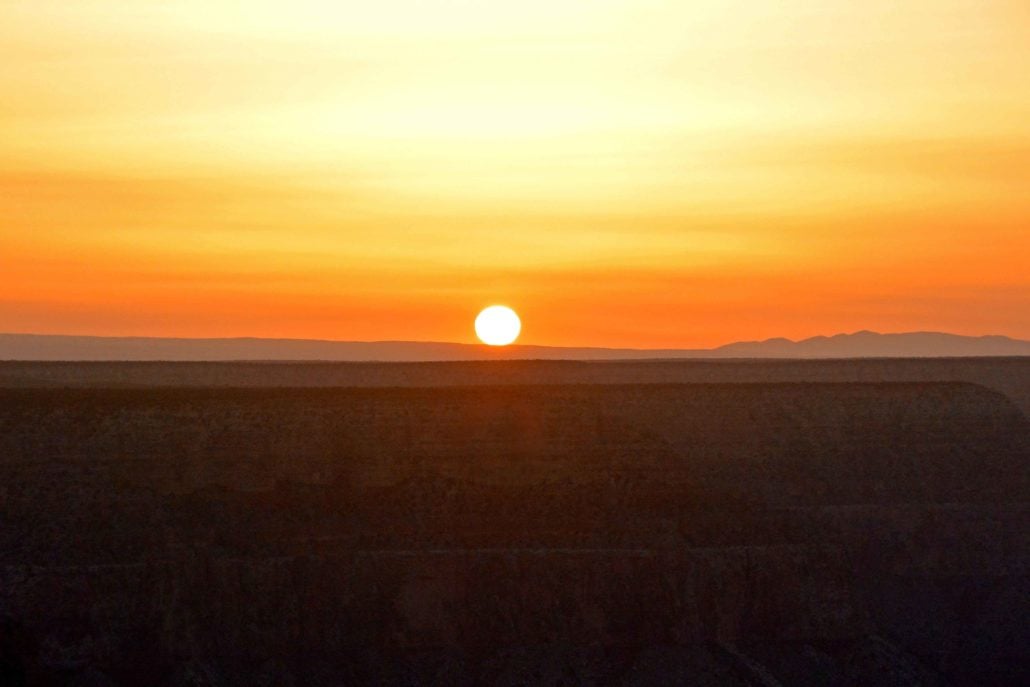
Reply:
x=1009, y=376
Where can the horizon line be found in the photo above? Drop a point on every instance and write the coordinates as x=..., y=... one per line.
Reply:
x=479, y=345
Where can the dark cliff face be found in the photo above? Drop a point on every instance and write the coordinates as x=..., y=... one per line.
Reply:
x=638, y=534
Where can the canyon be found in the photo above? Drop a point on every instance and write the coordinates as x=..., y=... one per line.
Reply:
x=762, y=533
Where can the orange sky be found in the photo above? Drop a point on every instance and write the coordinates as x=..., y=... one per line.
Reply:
x=621, y=172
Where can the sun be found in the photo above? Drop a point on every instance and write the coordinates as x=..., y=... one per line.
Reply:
x=498, y=325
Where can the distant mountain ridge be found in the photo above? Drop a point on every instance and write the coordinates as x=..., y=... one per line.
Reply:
x=862, y=344
x=867, y=344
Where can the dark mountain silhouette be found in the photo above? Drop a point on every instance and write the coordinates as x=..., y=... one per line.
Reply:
x=866, y=344
x=862, y=344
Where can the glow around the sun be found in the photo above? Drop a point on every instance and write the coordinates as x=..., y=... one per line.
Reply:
x=498, y=325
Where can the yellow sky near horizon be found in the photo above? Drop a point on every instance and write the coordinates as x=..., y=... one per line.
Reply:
x=647, y=174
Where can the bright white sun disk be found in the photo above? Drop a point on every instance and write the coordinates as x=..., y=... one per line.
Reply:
x=498, y=325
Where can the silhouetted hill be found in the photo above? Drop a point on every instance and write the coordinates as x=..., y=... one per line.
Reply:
x=857, y=345
x=873, y=345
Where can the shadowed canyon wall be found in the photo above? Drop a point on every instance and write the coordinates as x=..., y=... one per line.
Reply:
x=745, y=534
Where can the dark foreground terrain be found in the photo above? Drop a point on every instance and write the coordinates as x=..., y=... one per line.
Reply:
x=627, y=534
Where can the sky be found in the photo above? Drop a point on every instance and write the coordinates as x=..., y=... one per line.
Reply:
x=635, y=173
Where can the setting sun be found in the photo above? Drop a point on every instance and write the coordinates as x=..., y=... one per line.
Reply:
x=638, y=173
x=498, y=325
x=773, y=387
